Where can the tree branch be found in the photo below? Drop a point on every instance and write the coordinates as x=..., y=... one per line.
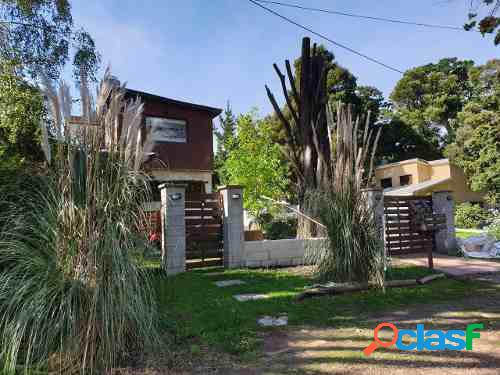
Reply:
x=285, y=92
x=291, y=78
x=285, y=122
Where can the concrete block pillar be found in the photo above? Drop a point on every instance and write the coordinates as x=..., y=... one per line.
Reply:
x=234, y=231
x=442, y=203
x=173, y=223
x=374, y=198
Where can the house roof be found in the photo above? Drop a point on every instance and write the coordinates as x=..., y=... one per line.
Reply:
x=439, y=162
x=211, y=110
x=412, y=161
x=412, y=189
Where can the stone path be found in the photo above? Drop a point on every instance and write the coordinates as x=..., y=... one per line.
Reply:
x=453, y=266
x=265, y=321
x=273, y=321
x=250, y=297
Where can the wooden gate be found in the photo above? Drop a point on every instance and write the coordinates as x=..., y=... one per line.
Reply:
x=410, y=225
x=204, y=230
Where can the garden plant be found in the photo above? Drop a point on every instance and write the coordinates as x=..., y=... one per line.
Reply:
x=72, y=298
x=353, y=250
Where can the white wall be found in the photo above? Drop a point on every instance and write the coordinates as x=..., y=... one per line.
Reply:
x=167, y=175
x=268, y=253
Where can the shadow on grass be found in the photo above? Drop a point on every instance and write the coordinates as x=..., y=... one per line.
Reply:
x=333, y=350
x=193, y=307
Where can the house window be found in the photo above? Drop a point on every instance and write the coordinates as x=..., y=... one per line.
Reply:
x=405, y=180
x=167, y=130
x=386, y=183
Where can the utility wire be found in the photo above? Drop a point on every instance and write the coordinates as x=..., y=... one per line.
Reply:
x=255, y=2
x=372, y=18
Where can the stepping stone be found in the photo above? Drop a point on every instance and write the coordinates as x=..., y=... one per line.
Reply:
x=273, y=321
x=224, y=283
x=250, y=297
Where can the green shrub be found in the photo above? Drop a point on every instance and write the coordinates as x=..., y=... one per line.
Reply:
x=281, y=228
x=471, y=216
x=494, y=229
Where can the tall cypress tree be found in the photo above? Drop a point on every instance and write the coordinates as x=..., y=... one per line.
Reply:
x=226, y=136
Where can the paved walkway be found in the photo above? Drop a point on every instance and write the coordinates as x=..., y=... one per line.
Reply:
x=454, y=266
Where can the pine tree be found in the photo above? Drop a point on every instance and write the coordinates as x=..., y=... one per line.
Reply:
x=225, y=135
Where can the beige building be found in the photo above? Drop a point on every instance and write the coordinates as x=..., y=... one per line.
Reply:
x=419, y=177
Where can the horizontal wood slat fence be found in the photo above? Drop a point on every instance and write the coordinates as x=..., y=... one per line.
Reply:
x=410, y=225
x=204, y=230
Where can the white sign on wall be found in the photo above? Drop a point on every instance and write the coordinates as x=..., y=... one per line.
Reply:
x=167, y=130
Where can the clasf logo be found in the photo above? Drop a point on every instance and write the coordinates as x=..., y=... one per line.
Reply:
x=431, y=340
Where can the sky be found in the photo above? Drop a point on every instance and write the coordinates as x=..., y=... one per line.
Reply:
x=213, y=51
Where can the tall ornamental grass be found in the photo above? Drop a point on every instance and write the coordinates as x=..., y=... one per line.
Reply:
x=353, y=250
x=72, y=299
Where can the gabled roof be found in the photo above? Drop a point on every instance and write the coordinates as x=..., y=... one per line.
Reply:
x=211, y=110
x=412, y=189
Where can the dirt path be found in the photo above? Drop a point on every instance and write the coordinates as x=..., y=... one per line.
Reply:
x=338, y=351
x=312, y=350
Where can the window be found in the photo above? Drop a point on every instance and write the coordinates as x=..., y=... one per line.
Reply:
x=167, y=130
x=405, y=180
x=386, y=183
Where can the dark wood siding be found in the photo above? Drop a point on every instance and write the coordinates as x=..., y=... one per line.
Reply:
x=197, y=152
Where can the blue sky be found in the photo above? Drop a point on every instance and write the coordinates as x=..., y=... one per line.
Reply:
x=211, y=51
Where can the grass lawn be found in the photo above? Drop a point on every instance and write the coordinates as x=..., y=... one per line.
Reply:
x=198, y=312
x=464, y=233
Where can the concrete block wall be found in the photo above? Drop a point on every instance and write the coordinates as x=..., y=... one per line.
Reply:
x=173, y=242
x=374, y=199
x=445, y=240
x=234, y=231
x=268, y=253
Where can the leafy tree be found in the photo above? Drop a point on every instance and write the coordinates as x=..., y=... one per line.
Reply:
x=429, y=97
x=471, y=216
x=21, y=111
x=488, y=24
x=40, y=34
x=225, y=142
x=399, y=141
x=255, y=163
x=477, y=145
x=369, y=98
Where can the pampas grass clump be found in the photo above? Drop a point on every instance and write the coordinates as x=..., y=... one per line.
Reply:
x=72, y=299
x=353, y=250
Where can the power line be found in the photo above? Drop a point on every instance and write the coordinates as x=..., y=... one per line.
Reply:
x=326, y=38
x=372, y=18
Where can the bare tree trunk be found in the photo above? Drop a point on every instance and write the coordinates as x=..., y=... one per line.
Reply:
x=307, y=139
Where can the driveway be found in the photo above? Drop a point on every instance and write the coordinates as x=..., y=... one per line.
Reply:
x=453, y=266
